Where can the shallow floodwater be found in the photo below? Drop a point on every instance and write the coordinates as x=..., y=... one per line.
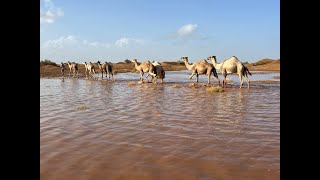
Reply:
x=148, y=131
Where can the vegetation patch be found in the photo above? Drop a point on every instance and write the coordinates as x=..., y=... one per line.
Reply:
x=83, y=107
x=176, y=86
x=47, y=62
x=214, y=89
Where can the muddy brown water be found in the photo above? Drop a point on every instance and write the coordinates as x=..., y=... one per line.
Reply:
x=150, y=131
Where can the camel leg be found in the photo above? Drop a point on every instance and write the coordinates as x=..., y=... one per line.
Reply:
x=107, y=73
x=141, y=76
x=154, y=80
x=102, y=74
x=247, y=79
x=224, y=81
x=192, y=75
x=209, y=79
x=218, y=81
x=197, y=78
x=241, y=80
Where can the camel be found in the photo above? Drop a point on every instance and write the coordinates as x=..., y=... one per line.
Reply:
x=158, y=70
x=230, y=66
x=145, y=67
x=89, y=68
x=62, y=69
x=107, y=68
x=200, y=67
x=73, y=67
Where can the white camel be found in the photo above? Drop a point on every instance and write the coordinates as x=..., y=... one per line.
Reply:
x=89, y=68
x=230, y=66
x=73, y=67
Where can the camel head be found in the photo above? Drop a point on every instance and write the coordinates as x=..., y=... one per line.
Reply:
x=156, y=63
x=212, y=58
x=98, y=62
x=134, y=60
x=184, y=59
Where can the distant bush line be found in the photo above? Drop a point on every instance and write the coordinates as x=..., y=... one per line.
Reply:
x=47, y=62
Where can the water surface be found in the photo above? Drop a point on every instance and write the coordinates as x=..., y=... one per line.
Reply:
x=148, y=131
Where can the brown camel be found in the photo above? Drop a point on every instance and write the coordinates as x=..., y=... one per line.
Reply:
x=107, y=68
x=145, y=67
x=200, y=67
x=159, y=71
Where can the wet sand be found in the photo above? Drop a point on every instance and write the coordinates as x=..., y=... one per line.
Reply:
x=147, y=131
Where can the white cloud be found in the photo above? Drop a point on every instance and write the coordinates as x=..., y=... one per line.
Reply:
x=50, y=13
x=74, y=47
x=71, y=40
x=124, y=42
x=99, y=44
x=64, y=41
x=60, y=42
x=187, y=30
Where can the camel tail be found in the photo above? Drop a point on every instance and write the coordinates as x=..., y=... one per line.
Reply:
x=163, y=74
x=110, y=69
x=246, y=70
x=214, y=72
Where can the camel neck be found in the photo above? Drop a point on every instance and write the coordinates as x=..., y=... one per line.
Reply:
x=189, y=66
x=215, y=64
x=136, y=65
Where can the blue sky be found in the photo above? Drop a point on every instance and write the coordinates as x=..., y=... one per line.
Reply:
x=113, y=30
